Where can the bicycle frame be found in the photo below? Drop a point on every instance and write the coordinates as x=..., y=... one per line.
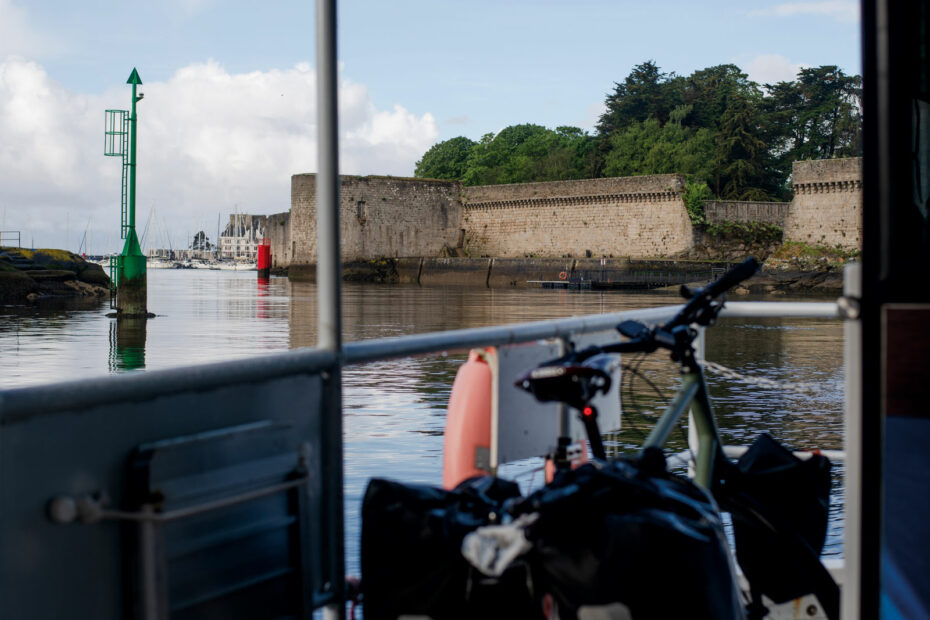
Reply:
x=693, y=395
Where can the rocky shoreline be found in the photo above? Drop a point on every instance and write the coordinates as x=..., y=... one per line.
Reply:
x=30, y=276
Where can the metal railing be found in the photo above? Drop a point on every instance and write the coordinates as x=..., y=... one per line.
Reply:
x=403, y=346
x=7, y=239
x=97, y=422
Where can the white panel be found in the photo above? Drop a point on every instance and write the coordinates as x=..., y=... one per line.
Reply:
x=526, y=427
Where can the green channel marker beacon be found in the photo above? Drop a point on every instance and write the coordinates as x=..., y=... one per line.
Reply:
x=128, y=272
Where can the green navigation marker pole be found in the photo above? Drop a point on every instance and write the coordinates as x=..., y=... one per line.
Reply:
x=130, y=276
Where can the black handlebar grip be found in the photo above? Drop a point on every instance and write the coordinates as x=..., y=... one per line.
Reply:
x=743, y=271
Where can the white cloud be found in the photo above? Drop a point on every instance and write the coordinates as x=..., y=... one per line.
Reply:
x=771, y=68
x=842, y=10
x=17, y=36
x=208, y=140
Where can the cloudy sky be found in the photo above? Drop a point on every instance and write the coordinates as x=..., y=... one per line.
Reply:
x=229, y=108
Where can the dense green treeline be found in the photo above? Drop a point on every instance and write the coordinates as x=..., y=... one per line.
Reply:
x=716, y=126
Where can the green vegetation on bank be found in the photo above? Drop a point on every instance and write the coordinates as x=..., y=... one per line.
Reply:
x=805, y=252
x=28, y=275
x=732, y=135
x=747, y=232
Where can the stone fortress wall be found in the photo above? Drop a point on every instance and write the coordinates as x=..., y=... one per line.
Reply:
x=378, y=217
x=827, y=205
x=628, y=216
x=746, y=211
x=639, y=217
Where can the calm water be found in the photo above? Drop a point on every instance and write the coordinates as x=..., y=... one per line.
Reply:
x=395, y=411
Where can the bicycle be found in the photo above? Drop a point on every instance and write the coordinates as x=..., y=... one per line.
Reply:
x=792, y=541
x=604, y=533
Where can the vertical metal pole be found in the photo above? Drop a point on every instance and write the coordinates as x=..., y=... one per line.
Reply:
x=565, y=418
x=132, y=159
x=329, y=268
x=329, y=296
x=154, y=602
x=852, y=522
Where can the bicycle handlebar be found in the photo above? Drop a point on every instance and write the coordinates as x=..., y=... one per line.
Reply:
x=734, y=276
x=702, y=299
x=698, y=310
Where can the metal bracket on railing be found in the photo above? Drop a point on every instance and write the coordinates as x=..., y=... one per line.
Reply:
x=93, y=508
x=849, y=307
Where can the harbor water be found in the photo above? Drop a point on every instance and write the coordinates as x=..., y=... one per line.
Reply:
x=395, y=410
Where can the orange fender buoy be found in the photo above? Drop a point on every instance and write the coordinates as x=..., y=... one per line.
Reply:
x=563, y=275
x=468, y=422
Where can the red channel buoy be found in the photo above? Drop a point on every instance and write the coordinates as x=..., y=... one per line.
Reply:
x=264, y=258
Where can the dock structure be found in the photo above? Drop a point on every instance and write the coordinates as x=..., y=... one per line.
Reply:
x=608, y=280
x=128, y=270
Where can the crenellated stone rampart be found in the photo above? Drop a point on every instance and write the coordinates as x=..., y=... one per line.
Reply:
x=624, y=216
x=639, y=217
x=827, y=205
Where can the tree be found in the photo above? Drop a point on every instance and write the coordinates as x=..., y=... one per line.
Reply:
x=741, y=153
x=820, y=114
x=201, y=242
x=523, y=153
x=716, y=125
x=710, y=90
x=647, y=148
x=445, y=160
x=645, y=93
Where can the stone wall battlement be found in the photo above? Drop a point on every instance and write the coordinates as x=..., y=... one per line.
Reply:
x=826, y=170
x=646, y=184
x=572, y=201
x=827, y=205
x=827, y=186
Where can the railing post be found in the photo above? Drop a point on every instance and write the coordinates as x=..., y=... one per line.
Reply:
x=329, y=297
x=852, y=521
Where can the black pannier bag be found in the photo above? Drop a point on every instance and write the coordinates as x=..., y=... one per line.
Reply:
x=780, y=506
x=412, y=563
x=629, y=532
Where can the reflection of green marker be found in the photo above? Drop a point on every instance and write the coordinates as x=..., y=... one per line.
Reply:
x=120, y=134
x=127, y=344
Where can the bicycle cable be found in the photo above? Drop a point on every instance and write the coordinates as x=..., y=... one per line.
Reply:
x=634, y=371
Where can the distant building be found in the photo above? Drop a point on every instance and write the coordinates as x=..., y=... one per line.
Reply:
x=242, y=236
x=159, y=253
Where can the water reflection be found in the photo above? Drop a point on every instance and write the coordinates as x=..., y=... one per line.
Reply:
x=262, y=309
x=127, y=344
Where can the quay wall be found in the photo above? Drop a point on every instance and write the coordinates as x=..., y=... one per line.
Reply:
x=827, y=205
